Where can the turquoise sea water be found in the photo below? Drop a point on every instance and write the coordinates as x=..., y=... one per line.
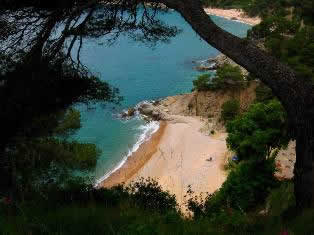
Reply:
x=141, y=73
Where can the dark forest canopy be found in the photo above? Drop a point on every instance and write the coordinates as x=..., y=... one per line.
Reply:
x=29, y=40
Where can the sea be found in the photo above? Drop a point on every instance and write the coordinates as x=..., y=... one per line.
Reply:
x=142, y=73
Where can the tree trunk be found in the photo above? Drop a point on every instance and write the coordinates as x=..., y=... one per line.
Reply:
x=304, y=166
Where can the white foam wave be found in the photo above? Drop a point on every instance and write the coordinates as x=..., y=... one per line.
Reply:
x=147, y=131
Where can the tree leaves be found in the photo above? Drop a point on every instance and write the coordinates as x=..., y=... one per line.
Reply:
x=258, y=131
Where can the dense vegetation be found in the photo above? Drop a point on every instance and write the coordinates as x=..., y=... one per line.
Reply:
x=229, y=110
x=256, y=133
x=226, y=77
x=237, y=208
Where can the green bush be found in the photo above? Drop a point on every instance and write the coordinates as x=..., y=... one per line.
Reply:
x=148, y=194
x=202, y=83
x=274, y=26
x=258, y=131
x=227, y=77
x=229, y=110
x=246, y=187
x=249, y=184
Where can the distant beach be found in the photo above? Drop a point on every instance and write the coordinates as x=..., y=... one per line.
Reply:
x=233, y=14
x=178, y=155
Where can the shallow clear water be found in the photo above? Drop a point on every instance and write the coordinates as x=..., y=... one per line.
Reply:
x=141, y=73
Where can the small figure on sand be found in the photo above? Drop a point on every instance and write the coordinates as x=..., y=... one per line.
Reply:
x=209, y=159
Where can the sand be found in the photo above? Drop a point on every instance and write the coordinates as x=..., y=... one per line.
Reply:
x=233, y=14
x=136, y=161
x=177, y=156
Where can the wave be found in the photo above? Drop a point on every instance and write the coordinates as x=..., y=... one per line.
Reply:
x=147, y=131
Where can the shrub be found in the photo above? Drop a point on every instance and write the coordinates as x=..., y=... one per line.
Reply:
x=202, y=83
x=281, y=199
x=229, y=110
x=227, y=77
x=149, y=195
x=246, y=187
x=249, y=184
x=258, y=131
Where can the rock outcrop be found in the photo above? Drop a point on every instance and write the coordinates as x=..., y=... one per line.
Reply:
x=217, y=62
x=207, y=104
x=204, y=104
x=153, y=111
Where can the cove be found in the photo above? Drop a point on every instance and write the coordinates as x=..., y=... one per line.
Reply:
x=141, y=73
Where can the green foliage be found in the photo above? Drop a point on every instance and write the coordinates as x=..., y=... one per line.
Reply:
x=81, y=209
x=229, y=110
x=226, y=77
x=142, y=208
x=70, y=122
x=150, y=196
x=202, y=83
x=240, y=193
x=288, y=42
x=255, y=133
x=242, y=189
x=274, y=26
x=50, y=160
x=281, y=199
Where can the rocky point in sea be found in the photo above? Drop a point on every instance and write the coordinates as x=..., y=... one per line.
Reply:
x=150, y=111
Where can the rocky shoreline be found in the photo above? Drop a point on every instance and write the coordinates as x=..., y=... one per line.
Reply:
x=213, y=64
x=205, y=104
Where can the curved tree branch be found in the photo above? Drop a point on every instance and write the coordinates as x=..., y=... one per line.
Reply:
x=279, y=77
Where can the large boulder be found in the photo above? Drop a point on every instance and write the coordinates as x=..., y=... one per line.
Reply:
x=152, y=111
x=202, y=68
x=146, y=109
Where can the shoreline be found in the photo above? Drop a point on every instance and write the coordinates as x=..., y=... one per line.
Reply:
x=179, y=156
x=186, y=158
x=136, y=160
x=154, y=155
x=234, y=15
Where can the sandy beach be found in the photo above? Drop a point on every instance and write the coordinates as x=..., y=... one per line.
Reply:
x=178, y=155
x=136, y=161
x=233, y=14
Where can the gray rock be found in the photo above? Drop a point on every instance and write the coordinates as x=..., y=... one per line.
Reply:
x=146, y=109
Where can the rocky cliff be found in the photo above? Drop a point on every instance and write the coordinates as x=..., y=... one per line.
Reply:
x=208, y=104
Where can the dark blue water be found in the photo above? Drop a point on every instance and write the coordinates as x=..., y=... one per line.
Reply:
x=141, y=73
